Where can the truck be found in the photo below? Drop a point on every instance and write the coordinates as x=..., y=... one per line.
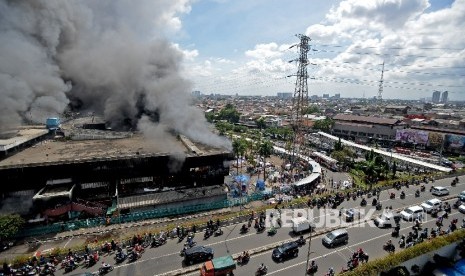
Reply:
x=302, y=224
x=222, y=266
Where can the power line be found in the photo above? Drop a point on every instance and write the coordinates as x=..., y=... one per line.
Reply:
x=390, y=48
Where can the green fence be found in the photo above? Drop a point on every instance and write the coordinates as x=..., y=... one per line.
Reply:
x=136, y=216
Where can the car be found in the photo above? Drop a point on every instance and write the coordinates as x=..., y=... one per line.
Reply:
x=439, y=191
x=431, y=204
x=412, y=213
x=462, y=208
x=351, y=214
x=462, y=196
x=198, y=254
x=285, y=251
x=336, y=237
x=387, y=219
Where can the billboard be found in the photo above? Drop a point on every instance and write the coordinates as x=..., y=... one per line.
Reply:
x=412, y=136
x=455, y=141
x=435, y=139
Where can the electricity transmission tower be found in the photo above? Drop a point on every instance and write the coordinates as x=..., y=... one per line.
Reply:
x=380, y=88
x=300, y=99
x=299, y=106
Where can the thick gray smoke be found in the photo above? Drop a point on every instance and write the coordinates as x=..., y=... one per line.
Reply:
x=103, y=56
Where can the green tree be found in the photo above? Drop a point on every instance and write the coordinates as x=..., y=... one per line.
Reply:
x=265, y=149
x=239, y=148
x=229, y=113
x=312, y=109
x=261, y=124
x=10, y=225
x=323, y=125
x=374, y=167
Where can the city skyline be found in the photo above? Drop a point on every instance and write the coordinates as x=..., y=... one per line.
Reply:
x=243, y=47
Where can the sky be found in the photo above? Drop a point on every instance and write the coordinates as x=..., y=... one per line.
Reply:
x=243, y=46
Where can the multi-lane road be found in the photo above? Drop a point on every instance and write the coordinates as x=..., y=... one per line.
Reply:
x=165, y=259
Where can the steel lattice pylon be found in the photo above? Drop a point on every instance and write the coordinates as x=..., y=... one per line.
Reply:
x=300, y=99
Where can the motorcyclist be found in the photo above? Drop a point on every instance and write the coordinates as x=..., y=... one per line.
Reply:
x=402, y=194
x=105, y=265
x=417, y=193
x=244, y=227
x=261, y=268
x=422, y=188
x=374, y=202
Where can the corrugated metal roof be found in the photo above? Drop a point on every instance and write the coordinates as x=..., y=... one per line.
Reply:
x=366, y=119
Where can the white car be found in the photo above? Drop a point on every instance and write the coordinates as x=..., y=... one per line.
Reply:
x=462, y=208
x=431, y=204
x=440, y=191
x=412, y=213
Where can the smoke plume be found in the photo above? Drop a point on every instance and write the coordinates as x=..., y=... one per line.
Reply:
x=107, y=56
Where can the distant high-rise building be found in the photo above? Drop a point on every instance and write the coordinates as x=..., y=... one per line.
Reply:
x=337, y=96
x=314, y=97
x=325, y=96
x=196, y=93
x=444, y=97
x=284, y=95
x=436, y=96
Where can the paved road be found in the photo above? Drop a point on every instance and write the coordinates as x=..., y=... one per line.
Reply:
x=166, y=258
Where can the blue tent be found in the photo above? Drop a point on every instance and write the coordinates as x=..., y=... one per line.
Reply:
x=242, y=178
x=260, y=185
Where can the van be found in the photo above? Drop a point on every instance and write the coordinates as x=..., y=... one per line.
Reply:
x=301, y=224
x=335, y=238
x=412, y=213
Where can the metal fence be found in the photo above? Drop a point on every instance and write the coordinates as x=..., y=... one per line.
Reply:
x=136, y=216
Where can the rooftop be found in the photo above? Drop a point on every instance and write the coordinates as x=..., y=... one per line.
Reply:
x=52, y=151
x=365, y=119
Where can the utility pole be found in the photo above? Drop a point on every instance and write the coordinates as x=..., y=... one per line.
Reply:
x=300, y=99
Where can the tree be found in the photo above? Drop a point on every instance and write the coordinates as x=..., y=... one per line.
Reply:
x=229, y=113
x=324, y=125
x=261, y=124
x=374, y=167
x=10, y=225
x=311, y=110
x=265, y=150
x=239, y=148
x=338, y=145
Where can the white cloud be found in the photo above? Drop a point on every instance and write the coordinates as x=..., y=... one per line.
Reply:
x=264, y=51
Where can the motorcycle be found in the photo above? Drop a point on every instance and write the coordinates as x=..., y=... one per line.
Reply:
x=158, y=242
x=70, y=267
x=363, y=203
x=374, y=202
x=392, y=196
x=312, y=269
x=133, y=256
x=261, y=271
x=208, y=233
x=389, y=247
x=272, y=231
x=379, y=206
x=402, y=195
x=105, y=269
x=301, y=241
x=120, y=257
x=422, y=189
x=417, y=193
x=244, y=229
x=218, y=232
x=243, y=259
x=453, y=184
